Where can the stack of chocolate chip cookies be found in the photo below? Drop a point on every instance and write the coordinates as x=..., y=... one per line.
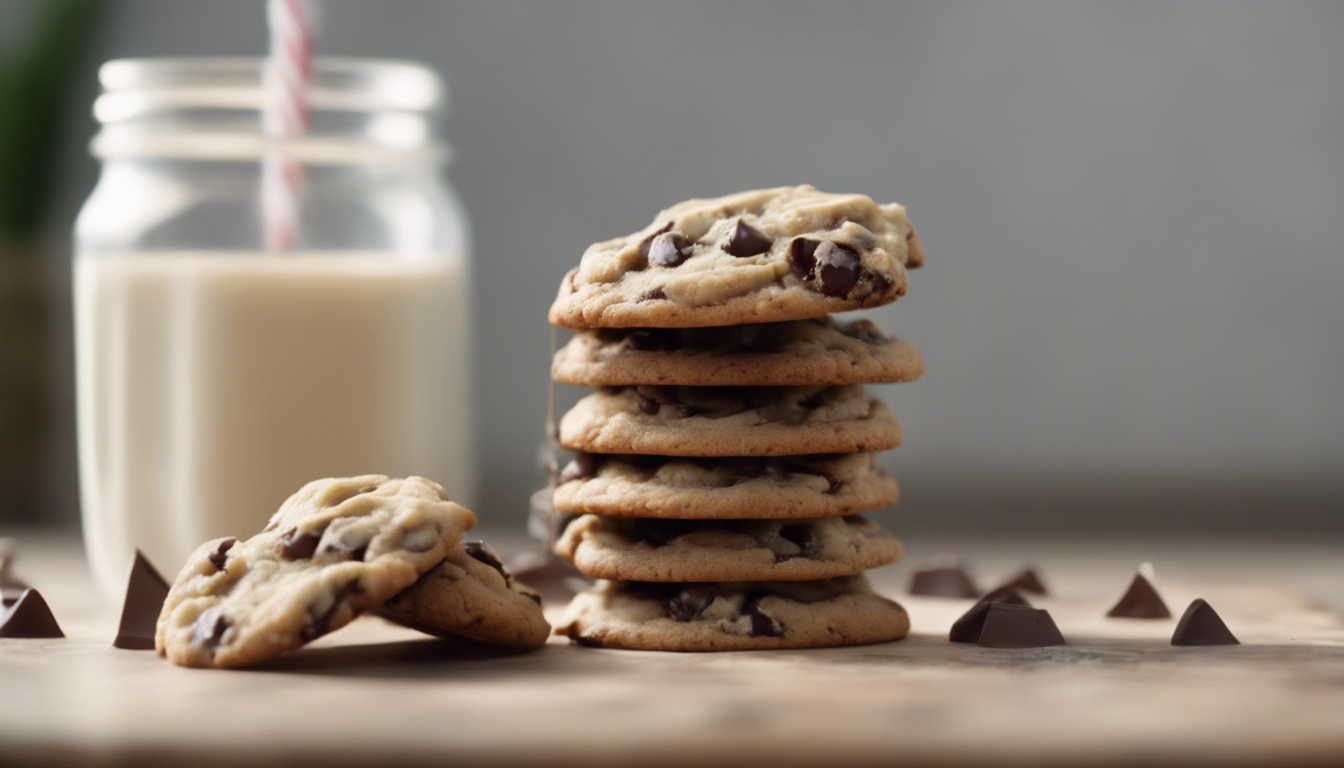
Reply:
x=724, y=458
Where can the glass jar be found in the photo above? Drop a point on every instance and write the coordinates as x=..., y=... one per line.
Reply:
x=214, y=379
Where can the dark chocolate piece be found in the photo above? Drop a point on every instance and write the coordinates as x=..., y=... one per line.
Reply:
x=838, y=268
x=689, y=603
x=657, y=294
x=29, y=617
x=298, y=546
x=745, y=240
x=1026, y=581
x=804, y=536
x=762, y=623
x=644, y=247
x=1201, y=625
x=217, y=558
x=940, y=580
x=479, y=550
x=146, y=589
x=209, y=628
x=552, y=576
x=801, y=252
x=967, y=629
x=1140, y=601
x=669, y=249
x=1018, y=626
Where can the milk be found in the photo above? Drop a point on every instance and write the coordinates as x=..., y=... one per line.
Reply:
x=212, y=386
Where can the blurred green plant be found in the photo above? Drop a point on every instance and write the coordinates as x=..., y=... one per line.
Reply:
x=35, y=82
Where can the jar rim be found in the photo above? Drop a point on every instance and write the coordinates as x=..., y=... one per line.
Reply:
x=139, y=86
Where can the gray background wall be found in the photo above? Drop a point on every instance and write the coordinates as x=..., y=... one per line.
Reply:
x=1131, y=310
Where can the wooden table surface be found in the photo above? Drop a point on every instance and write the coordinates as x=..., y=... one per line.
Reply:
x=1117, y=694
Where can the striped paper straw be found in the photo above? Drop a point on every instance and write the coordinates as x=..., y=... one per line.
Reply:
x=285, y=80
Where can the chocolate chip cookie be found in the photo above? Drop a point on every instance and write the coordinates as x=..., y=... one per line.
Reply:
x=647, y=549
x=735, y=616
x=471, y=594
x=766, y=255
x=718, y=488
x=333, y=550
x=820, y=351
x=729, y=421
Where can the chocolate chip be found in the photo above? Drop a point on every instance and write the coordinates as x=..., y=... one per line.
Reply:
x=652, y=398
x=297, y=546
x=1201, y=625
x=801, y=256
x=689, y=603
x=967, y=628
x=209, y=628
x=146, y=589
x=220, y=556
x=656, y=294
x=479, y=550
x=942, y=581
x=745, y=240
x=645, y=246
x=669, y=249
x=804, y=536
x=1018, y=626
x=1027, y=581
x=323, y=610
x=838, y=268
x=762, y=623
x=1140, y=601
x=29, y=617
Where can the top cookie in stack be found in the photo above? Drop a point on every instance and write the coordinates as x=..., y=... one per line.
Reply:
x=721, y=465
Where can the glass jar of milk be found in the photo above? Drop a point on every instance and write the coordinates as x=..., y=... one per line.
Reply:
x=213, y=378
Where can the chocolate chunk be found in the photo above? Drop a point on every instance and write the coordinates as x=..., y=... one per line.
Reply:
x=321, y=612
x=762, y=623
x=942, y=580
x=1018, y=626
x=479, y=550
x=745, y=240
x=656, y=294
x=1201, y=625
x=801, y=256
x=1027, y=581
x=1140, y=601
x=652, y=398
x=555, y=579
x=209, y=628
x=29, y=617
x=803, y=535
x=217, y=558
x=645, y=246
x=297, y=546
x=967, y=628
x=838, y=268
x=146, y=590
x=689, y=603
x=669, y=249
x=582, y=467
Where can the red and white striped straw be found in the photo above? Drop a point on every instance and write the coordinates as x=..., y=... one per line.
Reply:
x=285, y=79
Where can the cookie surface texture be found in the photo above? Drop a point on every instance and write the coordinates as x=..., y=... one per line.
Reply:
x=334, y=549
x=733, y=616
x=729, y=421
x=767, y=255
x=644, y=549
x=802, y=352
x=471, y=594
x=689, y=488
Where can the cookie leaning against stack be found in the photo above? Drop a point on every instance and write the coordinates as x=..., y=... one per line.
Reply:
x=722, y=463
